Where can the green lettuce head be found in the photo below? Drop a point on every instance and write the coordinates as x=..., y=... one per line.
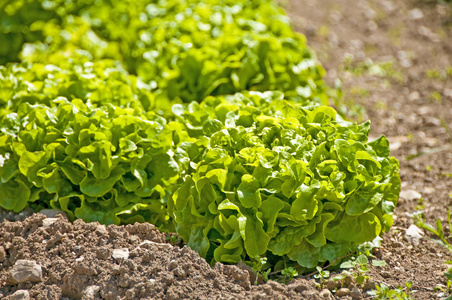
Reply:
x=271, y=180
x=107, y=164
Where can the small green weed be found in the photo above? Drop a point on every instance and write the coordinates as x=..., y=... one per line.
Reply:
x=444, y=239
x=289, y=273
x=448, y=275
x=435, y=74
x=258, y=266
x=357, y=267
x=368, y=66
x=383, y=292
x=437, y=149
x=420, y=204
x=322, y=275
x=436, y=97
x=438, y=231
x=174, y=239
x=346, y=105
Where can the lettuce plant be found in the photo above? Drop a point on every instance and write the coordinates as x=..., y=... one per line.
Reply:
x=290, y=184
x=186, y=50
x=99, y=83
x=108, y=164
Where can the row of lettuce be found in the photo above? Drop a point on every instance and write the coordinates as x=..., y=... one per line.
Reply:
x=201, y=117
x=186, y=49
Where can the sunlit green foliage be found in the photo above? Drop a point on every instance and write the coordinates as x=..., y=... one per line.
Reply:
x=296, y=183
x=104, y=164
x=187, y=49
x=201, y=117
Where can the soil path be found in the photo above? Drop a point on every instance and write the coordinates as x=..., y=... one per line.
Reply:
x=394, y=58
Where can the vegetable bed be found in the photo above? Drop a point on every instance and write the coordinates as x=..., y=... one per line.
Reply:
x=204, y=118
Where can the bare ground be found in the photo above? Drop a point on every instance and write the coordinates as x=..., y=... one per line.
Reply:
x=394, y=58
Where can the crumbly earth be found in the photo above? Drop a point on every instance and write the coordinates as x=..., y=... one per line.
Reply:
x=391, y=57
x=81, y=261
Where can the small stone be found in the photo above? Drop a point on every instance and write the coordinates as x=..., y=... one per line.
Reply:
x=83, y=268
x=395, y=142
x=20, y=295
x=58, y=237
x=2, y=254
x=428, y=33
x=413, y=96
x=91, y=292
x=356, y=293
x=370, y=13
x=370, y=285
x=180, y=273
x=249, y=269
x=406, y=63
x=172, y=265
x=331, y=285
x=448, y=93
x=385, y=274
x=413, y=234
x=300, y=287
x=415, y=14
x=52, y=213
x=342, y=292
x=326, y=294
x=120, y=253
x=431, y=249
x=151, y=243
x=424, y=110
x=388, y=6
x=429, y=190
x=130, y=294
x=372, y=26
x=432, y=121
x=336, y=16
x=357, y=44
x=397, y=244
x=25, y=271
x=124, y=281
x=348, y=280
x=402, y=55
x=101, y=230
x=103, y=253
x=410, y=195
x=115, y=270
x=8, y=245
x=47, y=222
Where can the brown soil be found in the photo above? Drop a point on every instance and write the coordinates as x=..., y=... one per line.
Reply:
x=78, y=260
x=411, y=103
x=408, y=99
